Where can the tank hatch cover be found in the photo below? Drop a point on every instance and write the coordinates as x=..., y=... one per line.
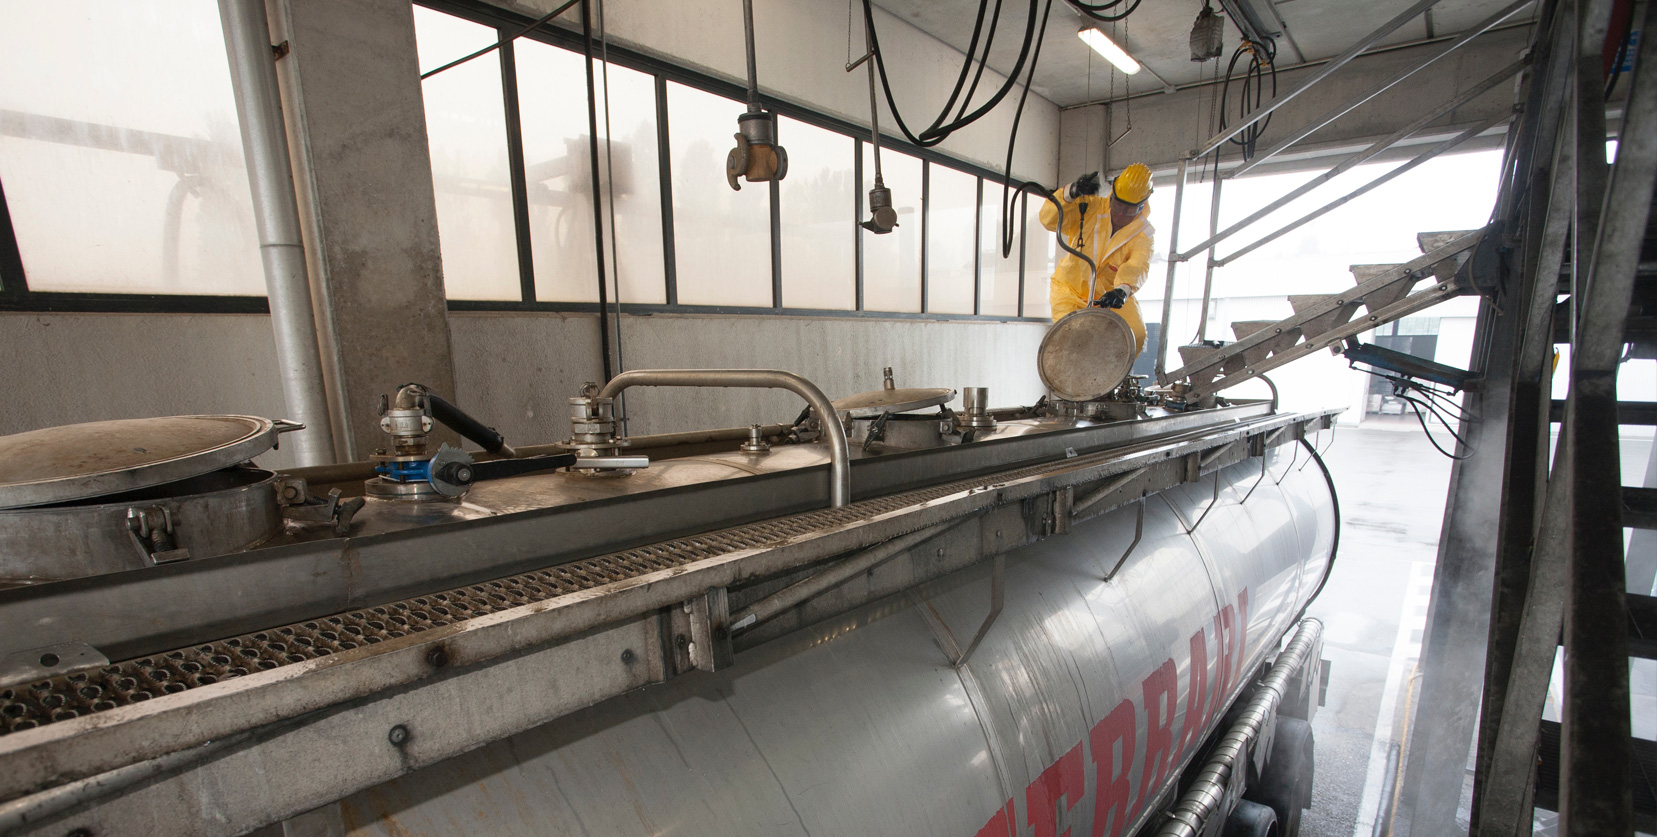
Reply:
x=877, y=401
x=1086, y=354
x=80, y=461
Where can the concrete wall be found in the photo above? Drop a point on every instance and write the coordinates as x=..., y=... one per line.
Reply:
x=517, y=371
x=1167, y=126
x=800, y=49
x=69, y=368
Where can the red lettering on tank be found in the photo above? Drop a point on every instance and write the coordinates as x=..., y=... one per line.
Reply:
x=1000, y=824
x=1062, y=780
x=1113, y=746
x=1223, y=633
x=1161, y=690
x=1196, y=696
x=1113, y=770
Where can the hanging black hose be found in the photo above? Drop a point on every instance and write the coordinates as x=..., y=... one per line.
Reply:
x=1007, y=202
x=940, y=130
x=1101, y=11
x=1261, y=69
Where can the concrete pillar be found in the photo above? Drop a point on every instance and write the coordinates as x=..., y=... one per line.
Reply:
x=357, y=127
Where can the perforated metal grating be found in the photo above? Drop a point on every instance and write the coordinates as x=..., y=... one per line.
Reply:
x=69, y=696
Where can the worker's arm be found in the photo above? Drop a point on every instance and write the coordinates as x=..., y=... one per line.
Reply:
x=1050, y=213
x=1133, y=270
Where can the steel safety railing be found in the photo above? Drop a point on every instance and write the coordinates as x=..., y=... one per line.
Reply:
x=1215, y=235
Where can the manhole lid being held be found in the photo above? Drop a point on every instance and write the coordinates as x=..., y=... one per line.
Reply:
x=1085, y=355
x=80, y=461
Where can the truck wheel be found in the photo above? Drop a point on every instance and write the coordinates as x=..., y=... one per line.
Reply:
x=1251, y=819
x=1286, y=785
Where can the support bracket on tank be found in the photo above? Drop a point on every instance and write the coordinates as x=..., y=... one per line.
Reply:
x=1211, y=504
x=946, y=637
x=1138, y=532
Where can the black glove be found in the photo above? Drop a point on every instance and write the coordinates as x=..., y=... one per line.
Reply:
x=1113, y=298
x=1087, y=184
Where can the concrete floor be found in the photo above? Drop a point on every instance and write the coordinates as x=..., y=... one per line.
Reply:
x=1392, y=485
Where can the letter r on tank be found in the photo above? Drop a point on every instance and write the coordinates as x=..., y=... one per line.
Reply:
x=1161, y=695
x=1063, y=779
x=1112, y=744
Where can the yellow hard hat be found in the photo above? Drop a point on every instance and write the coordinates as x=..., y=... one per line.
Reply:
x=1133, y=185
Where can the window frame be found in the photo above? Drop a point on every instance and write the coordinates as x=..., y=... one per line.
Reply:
x=15, y=294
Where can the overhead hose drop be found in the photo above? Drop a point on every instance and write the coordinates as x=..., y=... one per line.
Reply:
x=1261, y=68
x=942, y=126
x=940, y=129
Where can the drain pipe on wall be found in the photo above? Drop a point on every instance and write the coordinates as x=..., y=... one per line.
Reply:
x=276, y=215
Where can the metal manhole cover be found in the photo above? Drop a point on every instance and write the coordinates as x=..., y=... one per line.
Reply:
x=1086, y=354
x=79, y=461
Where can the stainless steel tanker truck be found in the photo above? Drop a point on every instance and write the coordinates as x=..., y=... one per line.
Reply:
x=887, y=616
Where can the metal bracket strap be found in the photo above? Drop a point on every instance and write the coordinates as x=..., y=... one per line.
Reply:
x=1138, y=533
x=946, y=637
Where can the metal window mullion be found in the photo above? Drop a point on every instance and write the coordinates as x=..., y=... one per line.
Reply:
x=664, y=173
x=1023, y=243
x=515, y=167
x=977, y=247
x=926, y=215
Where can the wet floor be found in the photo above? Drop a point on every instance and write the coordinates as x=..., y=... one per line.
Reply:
x=1392, y=485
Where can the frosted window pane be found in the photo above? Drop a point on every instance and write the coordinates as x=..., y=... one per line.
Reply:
x=637, y=191
x=892, y=262
x=120, y=150
x=552, y=105
x=1039, y=249
x=722, y=238
x=818, y=204
x=466, y=128
x=997, y=277
x=951, y=245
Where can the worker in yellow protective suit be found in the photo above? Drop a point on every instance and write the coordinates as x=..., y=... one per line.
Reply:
x=1113, y=231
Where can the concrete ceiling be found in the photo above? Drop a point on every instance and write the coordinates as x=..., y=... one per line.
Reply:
x=1158, y=33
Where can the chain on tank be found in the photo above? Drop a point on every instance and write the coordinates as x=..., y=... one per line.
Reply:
x=64, y=697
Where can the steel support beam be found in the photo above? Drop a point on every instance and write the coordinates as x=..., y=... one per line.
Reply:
x=1322, y=73
x=1360, y=157
x=1596, y=739
x=1347, y=107
x=1168, y=285
x=1363, y=190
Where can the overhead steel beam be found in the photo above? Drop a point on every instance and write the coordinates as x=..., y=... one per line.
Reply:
x=1322, y=73
x=1362, y=156
x=1347, y=107
x=1364, y=189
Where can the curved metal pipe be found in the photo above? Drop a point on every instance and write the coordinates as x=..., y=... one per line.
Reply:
x=840, y=466
x=1208, y=791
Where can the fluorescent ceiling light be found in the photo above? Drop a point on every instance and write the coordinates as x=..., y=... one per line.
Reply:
x=1108, y=48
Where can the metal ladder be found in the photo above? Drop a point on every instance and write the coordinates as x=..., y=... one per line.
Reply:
x=1382, y=293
